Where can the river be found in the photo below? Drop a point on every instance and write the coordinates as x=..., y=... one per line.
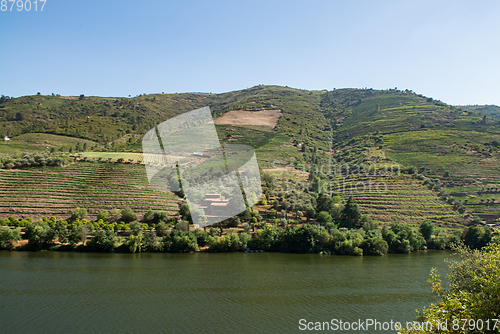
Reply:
x=59, y=292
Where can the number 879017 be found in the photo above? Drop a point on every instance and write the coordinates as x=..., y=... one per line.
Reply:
x=20, y=5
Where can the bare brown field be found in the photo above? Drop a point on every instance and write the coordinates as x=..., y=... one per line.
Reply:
x=267, y=118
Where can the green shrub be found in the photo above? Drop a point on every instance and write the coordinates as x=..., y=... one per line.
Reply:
x=103, y=215
x=160, y=216
x=128, y=215
x=8, y=236
x=78, y=213
x=180, y=242
x=102, y=241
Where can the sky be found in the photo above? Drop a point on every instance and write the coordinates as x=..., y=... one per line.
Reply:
x=447, y=50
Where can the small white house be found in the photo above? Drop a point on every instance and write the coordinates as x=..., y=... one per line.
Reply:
x=6, y=138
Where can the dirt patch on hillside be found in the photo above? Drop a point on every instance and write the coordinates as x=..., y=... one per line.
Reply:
x=245, y=117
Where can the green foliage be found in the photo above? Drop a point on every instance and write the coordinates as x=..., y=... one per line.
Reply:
x=59, y=231
x=300, y=240
x=227, y=243
x=490, y=110
x=136, y=228
x=149, y=243
x=402, y=239
x=128, y=215
x=161, y=229
x=103, y=215
x=180, y=242
x=134, y=242
x=115, y=215
x=148, y=216
x=160, y=217
x=102, y=241
x=202, y=237
x=265, y=238
x=474, y=292
x=32, y=160
x=324, y=217
x=78, y=214
x=375, y=246
x=38, y=235
x=427, y=229
x=184, y=211
x=182, y=225
x=77, y=233
x=477, y=237
x=351, y=214
x=8, y=236
x=325, y=203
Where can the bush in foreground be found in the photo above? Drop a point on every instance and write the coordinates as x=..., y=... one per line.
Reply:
x=474, y=293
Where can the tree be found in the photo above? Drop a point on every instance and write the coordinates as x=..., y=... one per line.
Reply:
x=160, y=216
x=59, y=231
x=148, y=216
x=161, y=229
x=103, y=215
x=375, y=246
x=102, y=240
x=310, y=212
x=77, y=233
x=8, y=236
x=477, y=237
x=115, y=215
x=134, y=242
x=184, y=211
x=325, y=203
x=474, y=292
x=78, y=214
x=81, y=97
x=128, y=215
x=427, y=229
x=136, y=228
x=351, y=214
x=324, y=217
x=38, y=235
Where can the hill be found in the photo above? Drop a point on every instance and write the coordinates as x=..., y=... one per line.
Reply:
x=288, y=127
x=56, y=191
x=488, y=110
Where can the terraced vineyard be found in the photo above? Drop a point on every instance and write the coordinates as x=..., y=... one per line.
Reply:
x=398, y=198
x=95, y=186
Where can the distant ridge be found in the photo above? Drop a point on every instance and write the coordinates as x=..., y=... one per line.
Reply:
x=486, y=109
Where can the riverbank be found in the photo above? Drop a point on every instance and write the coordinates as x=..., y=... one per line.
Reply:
x=329, y=238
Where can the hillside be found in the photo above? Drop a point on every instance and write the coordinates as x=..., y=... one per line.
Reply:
x=488, y=110
x=286, y=126
x=57, y=191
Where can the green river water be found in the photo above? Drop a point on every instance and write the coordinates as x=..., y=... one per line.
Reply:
x=58, y=292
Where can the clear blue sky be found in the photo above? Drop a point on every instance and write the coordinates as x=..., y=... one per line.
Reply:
x=448, y=50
